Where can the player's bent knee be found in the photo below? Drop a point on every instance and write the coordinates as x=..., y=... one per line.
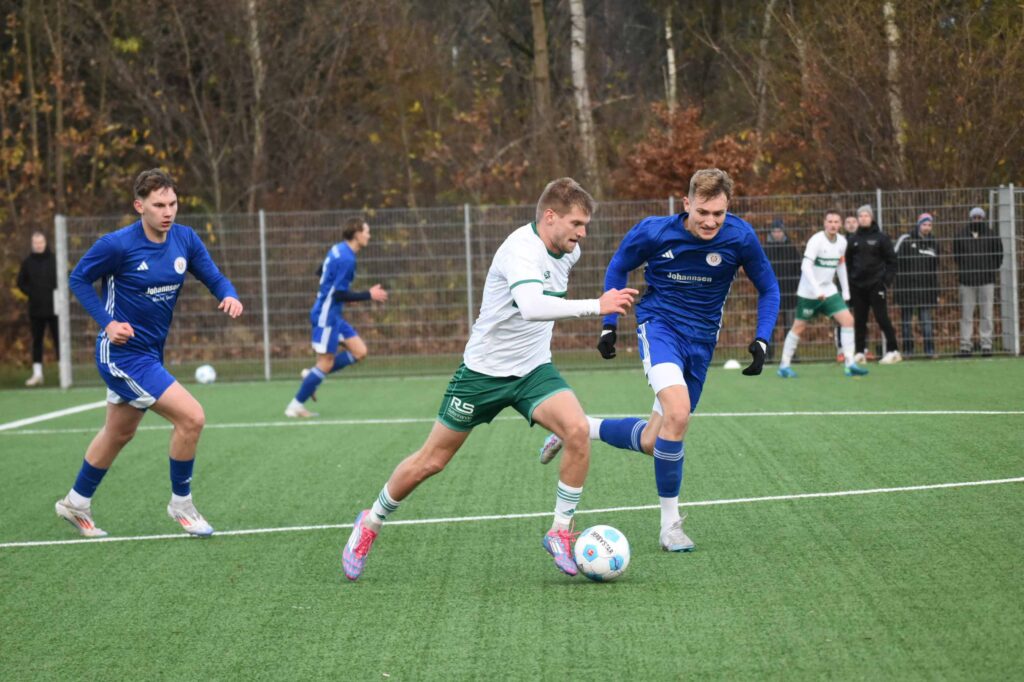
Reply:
x=576, y=435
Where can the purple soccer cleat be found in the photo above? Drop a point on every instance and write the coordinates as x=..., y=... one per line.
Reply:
x=358, y=546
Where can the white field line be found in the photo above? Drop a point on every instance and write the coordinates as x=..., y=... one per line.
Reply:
x=308, y=423
x=526, y=515
x=52, y=415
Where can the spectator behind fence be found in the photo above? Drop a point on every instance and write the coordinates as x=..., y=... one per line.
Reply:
x=978, y=253
x=871, y=262
x=917, y=284
x=37, y=279
x=785, y=259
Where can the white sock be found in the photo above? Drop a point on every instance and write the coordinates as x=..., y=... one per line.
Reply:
x=77, y=500
x=846, y=338
x=669, y=511
x=382, y=507
x=788, y=349
x=566, y=499
x=294, y=404
x=180, y=499
x=37, y=369
x=595, y=427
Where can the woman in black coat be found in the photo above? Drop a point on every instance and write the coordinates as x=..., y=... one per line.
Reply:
x=37, y=279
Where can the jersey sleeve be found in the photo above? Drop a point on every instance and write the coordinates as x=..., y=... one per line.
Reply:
x=205, y=270
x=535, y=306
x=633, y=251
x=342, y=272
x=100, y=260
x=759, y=270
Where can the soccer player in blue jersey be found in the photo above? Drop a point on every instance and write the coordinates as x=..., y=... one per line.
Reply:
x=143, y=267
x=330, y=329
x=692, y=259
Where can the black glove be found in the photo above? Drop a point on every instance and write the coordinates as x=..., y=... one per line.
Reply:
x=756, y=348
x=607, y=343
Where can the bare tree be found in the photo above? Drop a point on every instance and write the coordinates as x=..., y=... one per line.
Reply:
x=544, y=144
x=259, y=77
x=671, y=96
x=892, y=38
x=584, y=111
x=761, y=84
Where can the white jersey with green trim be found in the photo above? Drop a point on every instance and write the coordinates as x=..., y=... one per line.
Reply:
x=825, y=256
x=502, y=343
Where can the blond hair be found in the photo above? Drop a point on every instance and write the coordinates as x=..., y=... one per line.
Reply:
x=709, y=183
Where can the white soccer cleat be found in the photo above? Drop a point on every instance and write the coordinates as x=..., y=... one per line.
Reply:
x=673, y=539
x=34, y=380
x=189, y=517
x=891, y=358
x=552, y=446
x=297, y=410
x=80, y=518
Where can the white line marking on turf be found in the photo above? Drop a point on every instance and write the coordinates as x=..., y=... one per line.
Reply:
x=526, y=515
x=52, y=415
x=431, y=420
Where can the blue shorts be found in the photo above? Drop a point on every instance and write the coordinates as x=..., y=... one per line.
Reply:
x=326, y=339
x=659, y=344
x=138, y=380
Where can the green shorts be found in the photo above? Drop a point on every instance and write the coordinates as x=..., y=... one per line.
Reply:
x=473, y=398
x=808, y=308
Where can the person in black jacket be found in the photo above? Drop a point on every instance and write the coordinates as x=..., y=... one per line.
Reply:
x=978, y=253
x=917, y=284
x=37, y=279
x=871, y=262
x=785, y=259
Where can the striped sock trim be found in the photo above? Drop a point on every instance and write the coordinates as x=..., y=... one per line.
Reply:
x=319, y=372
x=385, y=501
x=634, y=437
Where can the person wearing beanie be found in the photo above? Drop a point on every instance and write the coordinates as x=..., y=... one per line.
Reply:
x=978, y=254
x=871, y=263
x=917, y=283
x=785, y=259
x=37, y=279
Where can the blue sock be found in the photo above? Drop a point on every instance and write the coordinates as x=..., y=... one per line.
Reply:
x=309, y=384
x=181, y=477
x=343, y=360
x=88, y=480
x=668, y=467
x=623, y=433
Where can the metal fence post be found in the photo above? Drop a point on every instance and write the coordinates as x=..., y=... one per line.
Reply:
x=263, y=295
x=671, y=204
x=1008, y=280
x=878, y=208
x=469, y=267
x=62, y=304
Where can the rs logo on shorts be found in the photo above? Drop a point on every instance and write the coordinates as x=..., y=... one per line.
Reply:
x=460, y=410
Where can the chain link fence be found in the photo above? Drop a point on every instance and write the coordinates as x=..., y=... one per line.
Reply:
x=433, y=262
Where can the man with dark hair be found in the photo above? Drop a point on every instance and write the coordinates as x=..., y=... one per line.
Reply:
x=143, y=268
x=871, y=261
x=330, y=329
x=37, y=279
x=507, y=363
x=917, y=284
x=978, y=253
x=692, y=259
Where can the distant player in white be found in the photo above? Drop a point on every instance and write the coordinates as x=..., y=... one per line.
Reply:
x=824, y=259
x=507, y=363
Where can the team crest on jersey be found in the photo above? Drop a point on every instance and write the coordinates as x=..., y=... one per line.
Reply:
x=179, y=265
x=714, y=259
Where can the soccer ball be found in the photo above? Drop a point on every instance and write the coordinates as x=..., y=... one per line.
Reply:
x=206, y=374
x=602, y=553
x=859, y=358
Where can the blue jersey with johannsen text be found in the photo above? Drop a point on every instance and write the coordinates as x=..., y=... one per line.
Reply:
x=142, y=280
x=688, y=278
x=339, y=269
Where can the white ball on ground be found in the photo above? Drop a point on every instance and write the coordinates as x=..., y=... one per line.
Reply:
x=859, y=358
x=731, y=364
x=602, y=553
x=206, y=374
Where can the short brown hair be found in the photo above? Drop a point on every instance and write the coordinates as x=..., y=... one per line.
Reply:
x=353, y=226
x=835, y=212
x=561, y=195
x=151, y=180
x=709, y=183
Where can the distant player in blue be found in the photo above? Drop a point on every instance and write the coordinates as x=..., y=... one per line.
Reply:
x=143, y=268
x=692, y=259
x=330, y=329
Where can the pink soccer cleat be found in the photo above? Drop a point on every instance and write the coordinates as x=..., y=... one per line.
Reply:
x=559, y=544
x=358, y=546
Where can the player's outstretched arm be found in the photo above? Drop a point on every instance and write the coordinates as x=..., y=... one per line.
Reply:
x=757, y=348
x=378, y=293
x=232, y=306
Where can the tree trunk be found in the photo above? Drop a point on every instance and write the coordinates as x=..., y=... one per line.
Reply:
x=581, y=93
x=671, y=96
x=544, y=146
x=762, y=84
x=899, y=125
x=56, y=39
x=259, y=77
x=30, y=85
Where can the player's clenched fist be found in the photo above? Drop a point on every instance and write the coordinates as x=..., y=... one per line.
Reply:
x=119, y=333
x=617, y=301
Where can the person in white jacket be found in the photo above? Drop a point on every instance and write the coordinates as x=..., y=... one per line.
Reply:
x=824, y=260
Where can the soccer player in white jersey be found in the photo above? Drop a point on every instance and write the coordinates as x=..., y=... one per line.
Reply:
x=143, y=268
x=824, y=259
x=507, y=363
